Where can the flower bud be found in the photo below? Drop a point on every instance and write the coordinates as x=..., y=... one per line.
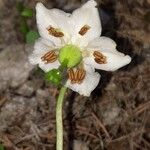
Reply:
x=54, y=76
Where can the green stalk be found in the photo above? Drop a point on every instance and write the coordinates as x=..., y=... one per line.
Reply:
x=59, y=120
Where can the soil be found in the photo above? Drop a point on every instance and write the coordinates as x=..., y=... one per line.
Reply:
x=117, y=114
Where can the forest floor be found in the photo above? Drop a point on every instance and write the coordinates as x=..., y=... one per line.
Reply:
x=117, y=114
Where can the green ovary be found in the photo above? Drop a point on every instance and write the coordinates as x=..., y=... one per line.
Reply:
x=70, y=56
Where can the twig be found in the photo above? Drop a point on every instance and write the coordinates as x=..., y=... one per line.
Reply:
x=101, y=126
x=138, y=146
x=83, y=130
x=47, y=136
x=142, y=108
x=146, y=142
x=8, y=143
x=133, y=134
x=35, y=131
x=25, y=138
x=2, y=101
x=54, y=91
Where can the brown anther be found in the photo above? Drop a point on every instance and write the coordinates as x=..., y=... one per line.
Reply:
x=81, y=75
x=71, y=75
x=55, y=32
x=99, y=58
x=84, y=29
x=49, y=57
x=76, y=76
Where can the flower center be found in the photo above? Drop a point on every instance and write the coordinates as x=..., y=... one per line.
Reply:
x=70, y=56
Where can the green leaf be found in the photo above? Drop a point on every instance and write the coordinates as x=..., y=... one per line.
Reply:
x=54, y=76
x=23, y=27
x=27, y=12
x=20, y=6
x=31, y=36
x=1, y=147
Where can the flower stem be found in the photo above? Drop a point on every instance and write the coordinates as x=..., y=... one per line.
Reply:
x=59, y=120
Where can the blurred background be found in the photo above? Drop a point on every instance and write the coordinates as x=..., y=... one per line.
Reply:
x=115, y=117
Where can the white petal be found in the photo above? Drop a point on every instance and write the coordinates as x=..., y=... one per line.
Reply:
x=86, y=15
x=49, y=66
x=55, y=18
x=104, y=44
x=41, y=45
x=114, y=61
x=40, y=48
x=89, y=83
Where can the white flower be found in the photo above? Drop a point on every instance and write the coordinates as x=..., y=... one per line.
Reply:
x=80, y=29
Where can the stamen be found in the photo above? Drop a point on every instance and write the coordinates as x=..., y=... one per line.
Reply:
x=71, y=75
x=80, y=75
x=76, y=76
x=55, y=32
x=49, y=57
x=99, y=58
x=84, y=29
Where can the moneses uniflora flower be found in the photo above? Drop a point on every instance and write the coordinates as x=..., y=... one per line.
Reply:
x=74, y=40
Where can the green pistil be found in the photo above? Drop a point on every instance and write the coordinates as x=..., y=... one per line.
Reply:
x=70, y=56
